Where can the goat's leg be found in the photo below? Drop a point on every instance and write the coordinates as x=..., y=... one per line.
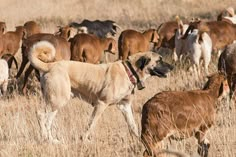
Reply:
x=203, y=143
x=125, y=107
x=27, y=73
x=22, y=66
x=97, y=112
x=229, y=79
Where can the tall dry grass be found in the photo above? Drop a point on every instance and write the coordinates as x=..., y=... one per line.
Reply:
x=19, y=129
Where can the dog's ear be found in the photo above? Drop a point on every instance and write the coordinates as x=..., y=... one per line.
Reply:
x=142, y=62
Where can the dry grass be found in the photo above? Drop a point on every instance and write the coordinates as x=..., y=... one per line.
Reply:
x=19, y=129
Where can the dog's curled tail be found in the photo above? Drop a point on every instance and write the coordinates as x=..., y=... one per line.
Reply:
x=40, y=54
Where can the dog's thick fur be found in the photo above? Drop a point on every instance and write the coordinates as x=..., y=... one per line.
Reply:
x=102, y=85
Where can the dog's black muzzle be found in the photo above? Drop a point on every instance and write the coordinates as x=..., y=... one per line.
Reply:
x=161, y=69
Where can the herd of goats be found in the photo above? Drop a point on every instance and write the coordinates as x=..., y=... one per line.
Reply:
x=68, y=62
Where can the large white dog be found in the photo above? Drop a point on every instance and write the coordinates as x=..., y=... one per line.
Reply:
x=102, y=85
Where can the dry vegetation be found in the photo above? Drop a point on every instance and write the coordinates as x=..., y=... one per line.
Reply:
x=19, y=129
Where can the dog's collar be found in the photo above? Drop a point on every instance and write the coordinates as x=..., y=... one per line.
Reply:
x=133, y=76
x=130, y=71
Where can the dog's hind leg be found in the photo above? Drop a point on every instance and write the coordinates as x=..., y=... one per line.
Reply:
x=125, y=107
x=97, y=112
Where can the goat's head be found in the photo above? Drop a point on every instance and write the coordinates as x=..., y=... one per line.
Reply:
x=217, y=83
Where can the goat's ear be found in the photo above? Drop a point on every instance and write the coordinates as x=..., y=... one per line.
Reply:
x=142, y=62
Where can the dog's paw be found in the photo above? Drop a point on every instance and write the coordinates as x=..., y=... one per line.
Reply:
x=55, y=141
x=86, y=138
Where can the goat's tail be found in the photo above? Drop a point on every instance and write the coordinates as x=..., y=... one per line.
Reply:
x=40, y=54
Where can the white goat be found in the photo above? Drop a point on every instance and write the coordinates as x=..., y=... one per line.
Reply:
x=197, y=45
x=4, y=74
x=200, y=46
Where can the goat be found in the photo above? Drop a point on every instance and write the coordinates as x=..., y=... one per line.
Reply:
x=31, y=27
x=181, y=114
x=166, y=32
x=4, y=74
x=10, y=41
x=197, y=45
x=62, y=52
x=3, y=28
x=66, y=32
x=5, y=61
x=89, y=48
x=99, y=28
x=227, y=15
x=132, y=41
x=221, y=33
x=227, y=62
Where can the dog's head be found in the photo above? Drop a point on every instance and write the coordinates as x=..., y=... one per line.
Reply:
x=150, y=64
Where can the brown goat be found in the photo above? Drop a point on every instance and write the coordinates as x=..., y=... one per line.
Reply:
x=90, y=48
x=3, y=28
x=62, y=52
x=31, y=27
x=166, y=32
x=132, y=41
x=227, y=64
x=181, y=114
x=10, y=41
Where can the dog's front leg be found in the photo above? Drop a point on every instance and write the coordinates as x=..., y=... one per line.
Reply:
x=50, y=118
x=125, y=107
x=45, y=122
x=99, y=108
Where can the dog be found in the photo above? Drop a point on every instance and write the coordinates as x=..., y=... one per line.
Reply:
x=102, y=85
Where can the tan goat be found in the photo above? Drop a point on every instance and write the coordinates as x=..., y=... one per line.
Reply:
x=90, y=48
x=181, y=114
x=132, y=41
x=31, y=27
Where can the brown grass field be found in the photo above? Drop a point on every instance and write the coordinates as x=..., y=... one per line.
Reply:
x=19, y=129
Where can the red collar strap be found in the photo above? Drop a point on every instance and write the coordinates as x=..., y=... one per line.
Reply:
x=132, y=78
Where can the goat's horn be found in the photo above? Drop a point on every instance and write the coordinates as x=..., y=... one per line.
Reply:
x=115, y=24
